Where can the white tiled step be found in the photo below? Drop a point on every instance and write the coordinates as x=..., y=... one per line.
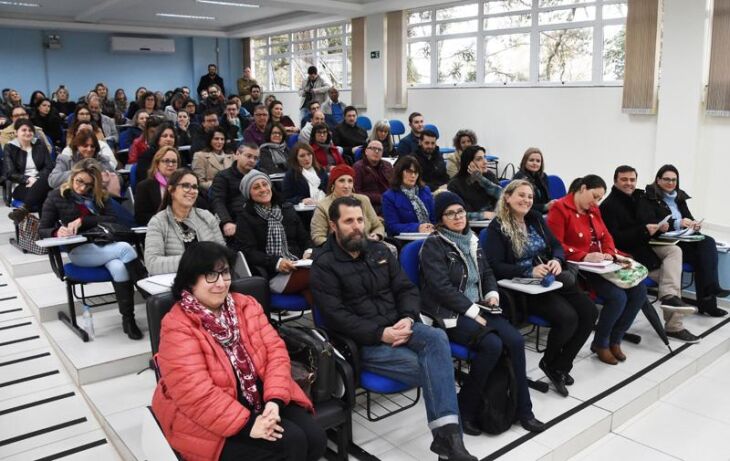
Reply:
x=44, y=423
x=20, y=335
x=20, y=377
x=21, y=264
x=109, y=355
x=89, y=446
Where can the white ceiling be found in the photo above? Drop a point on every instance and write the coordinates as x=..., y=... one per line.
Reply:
x=139, y=16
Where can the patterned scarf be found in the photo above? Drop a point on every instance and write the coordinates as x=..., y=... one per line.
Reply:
x=417, y=204
x=224, y=329
x=275, y=235
x=85, y=201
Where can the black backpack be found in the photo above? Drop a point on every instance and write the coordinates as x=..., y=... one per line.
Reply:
x=499, y=397
x=312, y=361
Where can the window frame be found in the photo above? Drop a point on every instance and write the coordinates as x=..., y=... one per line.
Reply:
x=291, y=55
x=534, y=30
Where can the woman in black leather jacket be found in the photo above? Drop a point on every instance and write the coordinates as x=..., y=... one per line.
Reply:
x=459, y=291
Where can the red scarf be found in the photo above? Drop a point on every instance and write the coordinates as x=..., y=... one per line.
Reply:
x=224, y=329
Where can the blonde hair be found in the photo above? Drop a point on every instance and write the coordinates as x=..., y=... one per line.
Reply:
x=158, y=158
x=509, y=224
x=93, y=169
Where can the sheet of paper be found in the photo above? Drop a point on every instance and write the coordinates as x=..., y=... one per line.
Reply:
x=665, y=220
x=303, y=263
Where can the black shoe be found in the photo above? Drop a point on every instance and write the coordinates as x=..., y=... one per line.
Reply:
x=708, y=306
x=555, y=377
x=675, y=304
x=471, y=427
x=449, y=444
x=684, y=335
x=532, y=424
x=569, y=381
x=722, y=293
x=130, y=328
x=18, y=214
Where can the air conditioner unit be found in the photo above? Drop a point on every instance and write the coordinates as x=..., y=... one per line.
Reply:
x=142, y=45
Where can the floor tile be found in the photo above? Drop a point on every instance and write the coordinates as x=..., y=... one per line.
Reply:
x=29, y=376
x=122, y=393
x=704, y=396
x=671, y=429
x=140, y=433
x=105, y=451
x=613, y=447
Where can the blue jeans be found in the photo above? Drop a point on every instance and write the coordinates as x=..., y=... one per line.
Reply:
x=489, y=349
x=620, y=307
x=425, y=360
x=112, y=256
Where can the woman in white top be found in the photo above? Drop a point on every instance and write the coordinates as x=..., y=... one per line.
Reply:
x=306, y=181
x=27, y=165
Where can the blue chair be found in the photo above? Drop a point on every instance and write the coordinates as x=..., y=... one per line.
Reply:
x=536, y=321
x=434, y=128
x=556, y=187
x=368, y=381
x=125, y=139
x=396, y=129
x=357, y=152
x=291, y=140
x=503, y=182
x=133, y=177
x=687, y=268
x=281, y=303
x=364, y=122
x=76, y=276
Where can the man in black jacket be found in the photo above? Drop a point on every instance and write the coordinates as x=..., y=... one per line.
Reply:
x=362, y=293
x=348, y=135
x=211, y=78
x=433, y=166
x=200, y=133
x=632, y=235
x=226, y=199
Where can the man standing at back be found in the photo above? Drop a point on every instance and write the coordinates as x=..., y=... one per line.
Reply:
x=362, y=293
x=211, y=78
x=631, y=235
x=409, y=143
x=245, y=83
x=313, y=88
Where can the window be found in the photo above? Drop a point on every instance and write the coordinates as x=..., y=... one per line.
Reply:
x=281, y=61
x=517, y=42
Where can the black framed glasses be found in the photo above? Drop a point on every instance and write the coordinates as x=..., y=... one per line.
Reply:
x=169, y=161
x=670, y=180
x=377, y=150
x=213, y=276
x=187, y=187
x=455, y=214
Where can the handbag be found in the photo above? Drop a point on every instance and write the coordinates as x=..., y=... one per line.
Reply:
x=313, y=362
x=628, y=277
x=568, y=276
x=27, y=236
x=109, y=232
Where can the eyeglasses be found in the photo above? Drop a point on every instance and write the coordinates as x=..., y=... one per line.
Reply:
x=277, y=133
x=414, y=172
x=260, y=115
x=669, y=179
x=187, y=187
x=453, y=215
x=81, y=182
x=22, y=114
x=212, y=276
x=377, y=150
x=169, y=161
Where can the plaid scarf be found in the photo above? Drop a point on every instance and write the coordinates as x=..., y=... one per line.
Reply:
x=417, y=204
x=275, y=235
x=224, y=329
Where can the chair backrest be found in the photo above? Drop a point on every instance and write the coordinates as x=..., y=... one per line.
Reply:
x=133, y=177
x=159, y=305
x=433, y=128
x=358, y=153
x=397, y=128
x=483, y=239
x=125, y=139
x=364, y=122
x=409, y=260
x=503, y=183
x=291, y=140
x=556, y=187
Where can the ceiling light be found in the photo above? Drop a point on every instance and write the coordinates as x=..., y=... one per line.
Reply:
x=220, y=2
x=23, y=4
x=185, y=16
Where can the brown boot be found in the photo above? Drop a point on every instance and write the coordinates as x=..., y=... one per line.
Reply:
x=604, y=355
x=617, y=352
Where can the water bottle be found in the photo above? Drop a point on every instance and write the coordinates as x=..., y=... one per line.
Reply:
x=87, y=322
x=547, y=280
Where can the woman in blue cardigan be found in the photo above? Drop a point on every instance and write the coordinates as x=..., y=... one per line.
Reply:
x=408, y=205
x=306, y=181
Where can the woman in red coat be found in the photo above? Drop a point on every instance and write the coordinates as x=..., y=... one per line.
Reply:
x=576, y=221
x=327, y=154
x=226, y=391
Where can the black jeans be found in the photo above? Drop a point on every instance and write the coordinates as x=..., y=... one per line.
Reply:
x=703, y=257
x=488, y=351
x=34, y=196
x=303, y=440
x=571, y=314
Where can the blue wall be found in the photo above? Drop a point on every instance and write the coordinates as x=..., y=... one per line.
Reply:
x=85, y=59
